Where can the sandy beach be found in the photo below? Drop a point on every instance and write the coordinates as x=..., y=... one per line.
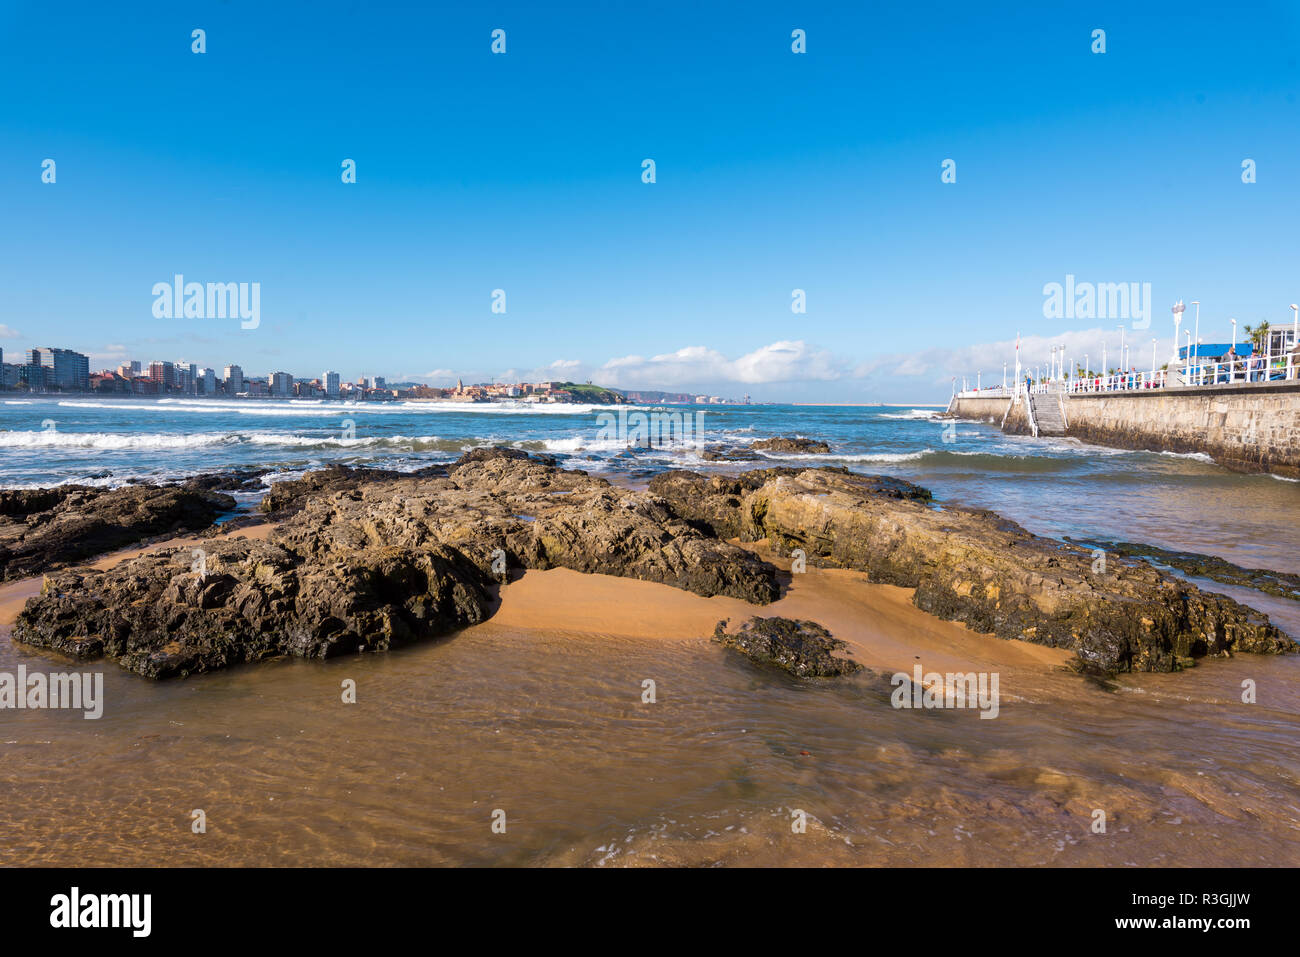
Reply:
x=884, y=631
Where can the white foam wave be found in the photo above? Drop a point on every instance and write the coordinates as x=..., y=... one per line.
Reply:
x=881, y=457
x=910, y=414
x=1197, y=456
x=330, y=409
x=49, y=438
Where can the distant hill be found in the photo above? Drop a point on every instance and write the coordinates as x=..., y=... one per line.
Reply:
x=597, y=395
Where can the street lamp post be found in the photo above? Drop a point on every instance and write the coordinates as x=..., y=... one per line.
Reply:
x=1232, y=368
x=1178, y=310
x=1197, y=336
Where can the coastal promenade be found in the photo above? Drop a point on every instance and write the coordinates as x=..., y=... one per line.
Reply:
x=1246, y=426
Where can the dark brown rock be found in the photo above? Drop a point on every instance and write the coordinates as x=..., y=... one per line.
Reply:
x=371, y=561
x=793, y=445
x=973, y=566
x=803, y=648
x=158, y=616
x=485, y=453
x=45, y=529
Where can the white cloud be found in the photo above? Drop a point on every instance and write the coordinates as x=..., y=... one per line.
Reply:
x=7, y=333
x=114, y=352
x=939, y=364
x=785, y=361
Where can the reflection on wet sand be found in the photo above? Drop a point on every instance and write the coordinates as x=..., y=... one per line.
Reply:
x=538, y=713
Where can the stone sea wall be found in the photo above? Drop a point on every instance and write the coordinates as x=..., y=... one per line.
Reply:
x=1251, y=428
x=983, y=410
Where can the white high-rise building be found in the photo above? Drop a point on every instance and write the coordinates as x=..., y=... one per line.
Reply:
x=185, y=375
x=331, y=384
x=207, y=382
x=234, y=377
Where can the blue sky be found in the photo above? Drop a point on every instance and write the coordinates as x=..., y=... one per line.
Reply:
x=522, y=172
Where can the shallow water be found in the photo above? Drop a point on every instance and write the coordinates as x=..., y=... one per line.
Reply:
x=552, y=731
x=1054, y=487
x=550, y=727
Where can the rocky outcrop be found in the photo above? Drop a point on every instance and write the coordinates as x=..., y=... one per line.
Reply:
x=285, y=497
x=534, y=516
x=165, y=614
x=975, y=567
x=485, y=453
x=803, y=648
x=370, y=561
x=796, y=446
x=716, y=502
x=1282, y=584
x=719, y=453
x=43, y=529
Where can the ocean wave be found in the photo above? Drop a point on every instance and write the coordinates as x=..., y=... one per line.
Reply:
x=413, y=443
x=329, y=408
x=1196, y=456
x=910, y=414
x=50, y=438
x=881, y=457
x=579, y=443
x=162, y=441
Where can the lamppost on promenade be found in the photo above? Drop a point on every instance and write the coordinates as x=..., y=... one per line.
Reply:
x=1197, y=336
x=1178, y=310
x=1232, y=368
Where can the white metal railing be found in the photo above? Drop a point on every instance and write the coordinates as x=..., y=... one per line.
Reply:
x=1119, y=382
x=988, y=392
x=1249, y=369
x=1260, y=368
x=1246, y=370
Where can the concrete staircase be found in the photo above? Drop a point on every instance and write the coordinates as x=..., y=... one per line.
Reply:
x=1047, y=413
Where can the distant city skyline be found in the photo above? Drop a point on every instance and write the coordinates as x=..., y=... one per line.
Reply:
x=56, y=370
x=515, y=182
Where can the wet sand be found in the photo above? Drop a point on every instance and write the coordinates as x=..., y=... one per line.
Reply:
x=883, y=629
x=538, y=712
